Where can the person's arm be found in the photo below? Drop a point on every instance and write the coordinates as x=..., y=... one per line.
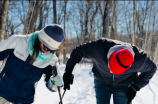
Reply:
x=7, y=46
x=86, y=50
x=148, y=69
x=52, y=78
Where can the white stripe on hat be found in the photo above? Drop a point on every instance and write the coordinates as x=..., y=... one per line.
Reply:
x=116, y=47
x=48, y=41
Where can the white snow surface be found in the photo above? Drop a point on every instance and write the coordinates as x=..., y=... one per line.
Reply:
x=82, y=90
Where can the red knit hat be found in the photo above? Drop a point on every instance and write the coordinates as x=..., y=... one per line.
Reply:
x=120, y=61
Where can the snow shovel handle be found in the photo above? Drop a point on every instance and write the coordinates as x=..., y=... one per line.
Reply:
x=54, y=70
x=63, y=94
x=60, y=96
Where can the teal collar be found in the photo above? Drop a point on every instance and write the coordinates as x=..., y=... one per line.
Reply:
x=41, y=56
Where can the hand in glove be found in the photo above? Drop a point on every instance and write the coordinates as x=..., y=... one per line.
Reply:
x=68, y=79
x=57, y=81
x=131, y=92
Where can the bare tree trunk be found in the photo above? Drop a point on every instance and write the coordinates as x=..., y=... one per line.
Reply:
x=88, y=7
x=126, y=24
x=134, y=20
x=114, y=3
x=150, y=37
x=81, y=24
x=4, y=20
x=54, y=12
x=35, y=14
x=1, y=12
x=40, y=19
x=64, y=42
x=112, y=29
x=92, y=20
x=156, y=55
x=27, y=18
x=147, y=34
x=144, y=14
x=105, y=27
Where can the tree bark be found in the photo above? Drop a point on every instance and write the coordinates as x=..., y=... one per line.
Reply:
x=54, y=12
x=88, y=7
x=147, y=34
x=64, y=42
x=27, y=18
x=134, y=16
x=35, y=15
x=127, y=28
x=4, y=20
x=112, y=28
x=40, y=19
x=150, y=37
x=105, y=16
x=91, y=22
x=116, y=37
x=0, y=12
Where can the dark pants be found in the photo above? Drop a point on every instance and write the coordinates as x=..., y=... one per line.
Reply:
x=103, y=94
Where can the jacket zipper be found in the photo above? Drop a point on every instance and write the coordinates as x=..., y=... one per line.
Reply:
x=113, y=76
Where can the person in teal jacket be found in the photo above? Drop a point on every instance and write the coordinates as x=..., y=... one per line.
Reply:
x=25, y=59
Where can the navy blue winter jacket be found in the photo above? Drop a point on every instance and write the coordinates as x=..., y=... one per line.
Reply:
x=18, y=76
x=98, y=50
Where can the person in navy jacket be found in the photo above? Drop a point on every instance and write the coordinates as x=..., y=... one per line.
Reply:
x=25, y=59
x=119, y=68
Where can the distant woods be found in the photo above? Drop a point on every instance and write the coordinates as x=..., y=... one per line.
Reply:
x=86, y=20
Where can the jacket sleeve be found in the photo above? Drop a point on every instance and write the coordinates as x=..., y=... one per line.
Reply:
x=7, y=46
x=147, y=71
x=86, y=50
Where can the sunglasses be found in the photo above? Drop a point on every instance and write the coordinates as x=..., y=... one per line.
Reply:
x=47, y=49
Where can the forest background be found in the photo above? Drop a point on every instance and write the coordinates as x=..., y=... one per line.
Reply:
x=134, y=21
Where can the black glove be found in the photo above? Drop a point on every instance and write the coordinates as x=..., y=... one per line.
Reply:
x=68, y=79
x=131, y=92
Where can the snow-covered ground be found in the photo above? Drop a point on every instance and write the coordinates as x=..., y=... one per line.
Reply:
x=82, y=90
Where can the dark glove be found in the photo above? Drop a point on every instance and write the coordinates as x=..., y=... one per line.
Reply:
x=131, y=92
x=68, y=79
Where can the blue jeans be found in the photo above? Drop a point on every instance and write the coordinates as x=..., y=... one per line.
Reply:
x=103, y=94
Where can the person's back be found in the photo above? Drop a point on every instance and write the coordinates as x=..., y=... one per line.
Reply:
x=110, y=69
